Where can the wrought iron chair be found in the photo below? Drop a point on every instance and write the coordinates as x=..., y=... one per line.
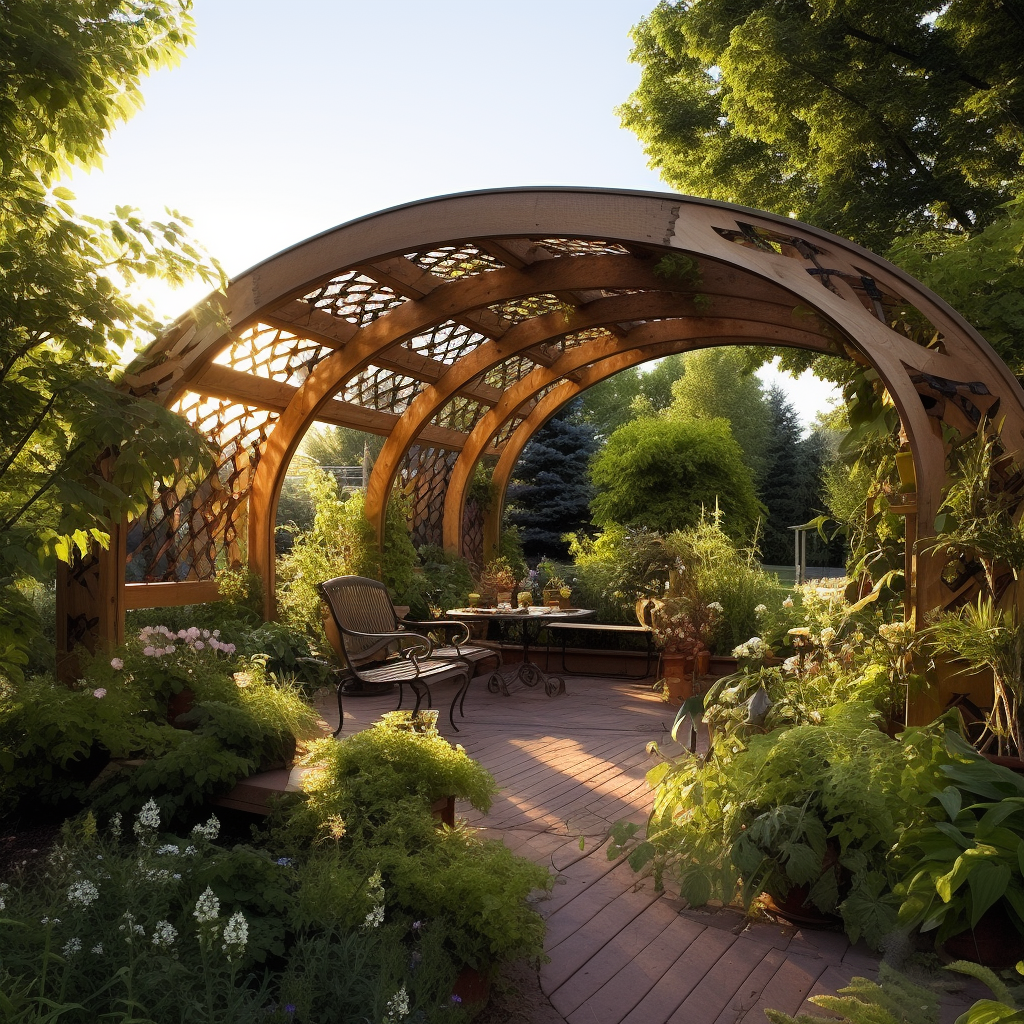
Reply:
x=375, y=647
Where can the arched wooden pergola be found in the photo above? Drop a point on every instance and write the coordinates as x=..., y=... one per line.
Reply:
x=455, y=327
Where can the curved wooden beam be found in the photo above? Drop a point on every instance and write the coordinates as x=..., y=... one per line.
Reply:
x=643, y=343
x=544, y=329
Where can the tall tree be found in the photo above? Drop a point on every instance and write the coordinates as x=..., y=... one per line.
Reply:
x=718, y=384
x=76, y=453
x=867, y=118
x=550, y=493
x=785, y=489
x=660, y=473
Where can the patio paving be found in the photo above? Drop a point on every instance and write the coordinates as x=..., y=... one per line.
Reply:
x=569, y=767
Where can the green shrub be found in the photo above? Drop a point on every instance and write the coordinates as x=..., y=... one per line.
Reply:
x=341, y=542
x=177, y=928
x=54, y=739
x=369, y=799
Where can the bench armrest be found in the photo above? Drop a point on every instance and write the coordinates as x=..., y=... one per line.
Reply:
x=445, y=625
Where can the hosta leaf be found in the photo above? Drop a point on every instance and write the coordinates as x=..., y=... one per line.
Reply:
x=988, y=883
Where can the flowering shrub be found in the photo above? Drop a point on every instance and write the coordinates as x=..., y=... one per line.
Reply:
x=58, y=739
x=171, y=928
x=685, y=627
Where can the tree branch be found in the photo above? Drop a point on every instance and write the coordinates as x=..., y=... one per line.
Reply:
x=33, y=426
x=916, y=58
x=42, y=489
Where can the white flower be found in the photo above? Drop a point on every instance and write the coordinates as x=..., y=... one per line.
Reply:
x=115, y=826
x=164, y=934
x=236, y=934
x=131, y=927
x=398, y=1005
x=101, y=693
x=168, y=848
x=791, y=665
x=761, y=609
x=116, y=664
x=375, y=918
x=788, y=603
x=98, y=949
x=207, y=907
x=826, y=636
x=208, y=831
x=81, y=894
x=72, y=947
x=3, y=903
x=50, y=920
x=715, y=606
x=148, y=819
x=190, y=851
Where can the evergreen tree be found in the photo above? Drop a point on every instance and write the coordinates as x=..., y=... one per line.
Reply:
x=551, y=492
x=785, y=490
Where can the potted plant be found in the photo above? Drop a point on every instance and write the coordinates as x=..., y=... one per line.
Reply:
x=963, y=879
x=500, y=578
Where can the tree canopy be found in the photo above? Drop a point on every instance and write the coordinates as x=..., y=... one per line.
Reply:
x=75, y=452
x=661, y=473
x=872, y=120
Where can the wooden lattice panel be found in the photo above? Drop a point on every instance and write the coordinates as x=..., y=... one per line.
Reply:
x=187, y=532
x=354, y=297
x=460, y=414
x=583, y=247
x=507, y=372
x=377, y=388
x=515, y=311
x=473, y=534
x=452, y=261
x=425, y=478
x=447, y=342
x=272, y=352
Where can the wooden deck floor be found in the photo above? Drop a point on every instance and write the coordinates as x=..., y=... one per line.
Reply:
x=570, y=766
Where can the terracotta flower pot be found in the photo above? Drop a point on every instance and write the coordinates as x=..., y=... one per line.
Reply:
x=677, y=671
x=472, y=988
x=994, y=941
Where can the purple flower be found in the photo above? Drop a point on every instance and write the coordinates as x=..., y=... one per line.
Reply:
x=289, y=1008
x=456, y=999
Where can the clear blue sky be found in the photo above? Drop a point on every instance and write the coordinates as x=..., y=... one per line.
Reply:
x=286, y=119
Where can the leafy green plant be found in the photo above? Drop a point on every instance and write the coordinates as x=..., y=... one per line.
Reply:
x=340, y=542
x=815, y=805
x=895, y=999
x=983, y=635
x=179, y=928
x=968, y=855
x=369, y=799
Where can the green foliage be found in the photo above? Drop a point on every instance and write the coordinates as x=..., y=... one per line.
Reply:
x=369, y=798
x=173, y=928
x=969, y=855
x=68, y=77
x=444, y=583
x=793, y=807
x=341, y=542
x=870, y=121
x=980, y=275
x=550, y=492
x=399, y=556
x=661, y=474
x=55, y=740
x=895, y=999
x=718, y=571
x=718, y=385
x=361, y=780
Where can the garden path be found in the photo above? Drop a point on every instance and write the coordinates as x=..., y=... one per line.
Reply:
x=569, y=767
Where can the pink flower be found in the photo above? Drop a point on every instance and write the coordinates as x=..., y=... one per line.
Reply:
x=149, y=652
x=116, y=664
x=99, y=693
x=199, y=645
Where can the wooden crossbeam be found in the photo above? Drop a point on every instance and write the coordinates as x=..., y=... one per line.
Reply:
x=219, y=381
x=303, y=320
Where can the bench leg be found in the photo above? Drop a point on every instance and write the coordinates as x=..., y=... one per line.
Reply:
x=341, y=709
x=460, y=696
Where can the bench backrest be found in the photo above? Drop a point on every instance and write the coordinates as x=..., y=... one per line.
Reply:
x=360, y=605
